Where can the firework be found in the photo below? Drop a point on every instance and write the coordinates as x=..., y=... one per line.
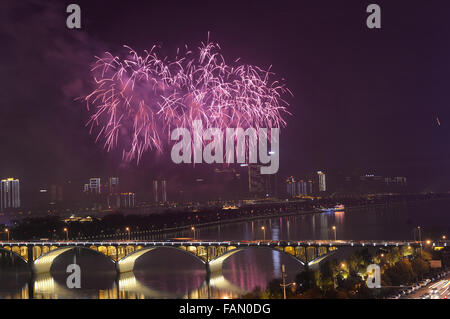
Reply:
x=139, y=99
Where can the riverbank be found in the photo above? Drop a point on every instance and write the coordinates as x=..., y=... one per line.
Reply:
x=260, y=217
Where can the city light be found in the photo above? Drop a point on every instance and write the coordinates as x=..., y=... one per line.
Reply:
x=334, y=230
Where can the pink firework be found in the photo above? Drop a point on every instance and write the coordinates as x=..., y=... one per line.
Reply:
x=139, y=100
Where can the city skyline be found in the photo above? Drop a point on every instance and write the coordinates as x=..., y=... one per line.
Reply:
x=360, y=123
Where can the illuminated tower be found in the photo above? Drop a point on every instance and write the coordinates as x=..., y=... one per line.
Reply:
x=155, y=191
x=114, y=197
x=310, y=187
x=322, y=181
x=9, y=193
x=164, y=191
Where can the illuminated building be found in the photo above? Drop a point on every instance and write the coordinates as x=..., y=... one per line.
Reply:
x=94, y=185
x=113, y=185
x=127, y=200
x=164, y=191
x=56, y=193
x=322, y=181
x=9, y=193
x=291, y=188
x=302, y=188
x=155, y=191
x=113, y=198
x=255, y=180
x=397, y=181
x=298, y=188
x=309, y=185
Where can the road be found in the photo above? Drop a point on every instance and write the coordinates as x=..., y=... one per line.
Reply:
x=441, y=287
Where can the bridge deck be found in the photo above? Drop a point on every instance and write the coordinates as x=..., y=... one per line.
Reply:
x=234, y=243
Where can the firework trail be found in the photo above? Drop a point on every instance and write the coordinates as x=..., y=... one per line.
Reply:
x=139, y=100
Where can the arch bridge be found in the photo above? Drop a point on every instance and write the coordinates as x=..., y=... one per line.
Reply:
x=40, y=255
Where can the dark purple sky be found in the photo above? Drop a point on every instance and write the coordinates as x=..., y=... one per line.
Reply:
x=364, y=100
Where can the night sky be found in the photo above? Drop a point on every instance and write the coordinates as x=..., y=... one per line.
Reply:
x=363, y=100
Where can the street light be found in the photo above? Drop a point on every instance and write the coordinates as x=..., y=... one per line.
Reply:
x=334, y=229
x=67, y=233
x=420, y=239
x=264, y=230
x=283, y=277
x=444, y=237
x=7, y=232
x=129, y=233
x=193, y=229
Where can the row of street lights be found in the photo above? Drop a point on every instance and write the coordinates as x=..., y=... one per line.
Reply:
x=333, y=228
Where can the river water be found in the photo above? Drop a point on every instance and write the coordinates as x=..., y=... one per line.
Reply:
x=173, y=274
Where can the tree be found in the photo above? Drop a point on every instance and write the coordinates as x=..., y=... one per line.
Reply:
x=313, y=293
x=401, y=273
x=274, y=289
x=393, y=256
x=420, y=266
x=305, y=280
x=328, y=274
x=255, y=294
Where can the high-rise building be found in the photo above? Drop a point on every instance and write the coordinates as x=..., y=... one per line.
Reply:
x=155, y=191
x=310, y=187
x=113, y=200
x=255, y=179
x=291, y=186
x=95, y=185
x=302, y=188
x=395, y=181
x=322, y=181
x=56, y=193
x=127, y=200
x=9, y=193
x=113, y=185
x=164, y=191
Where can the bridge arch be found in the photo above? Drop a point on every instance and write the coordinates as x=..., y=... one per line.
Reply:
x=12, y=253
x=128, y=262
x=44, y=263
x=215, y=264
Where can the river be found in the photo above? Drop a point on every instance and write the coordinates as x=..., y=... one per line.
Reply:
x=173, y=274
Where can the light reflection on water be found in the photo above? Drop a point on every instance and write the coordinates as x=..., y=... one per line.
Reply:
x=163, y=274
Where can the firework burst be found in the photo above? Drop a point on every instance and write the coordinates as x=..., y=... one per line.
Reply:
x=138, y=99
